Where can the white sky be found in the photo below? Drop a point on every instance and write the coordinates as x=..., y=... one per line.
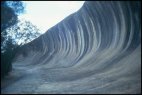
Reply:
x=45, y=14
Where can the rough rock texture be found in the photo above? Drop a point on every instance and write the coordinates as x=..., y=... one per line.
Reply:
x=95, y=50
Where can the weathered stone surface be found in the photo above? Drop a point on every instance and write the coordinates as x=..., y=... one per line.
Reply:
x=95, y=50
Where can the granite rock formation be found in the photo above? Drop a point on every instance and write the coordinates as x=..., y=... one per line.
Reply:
x=94, y=50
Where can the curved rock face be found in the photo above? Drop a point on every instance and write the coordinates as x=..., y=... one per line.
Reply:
x=95, y=50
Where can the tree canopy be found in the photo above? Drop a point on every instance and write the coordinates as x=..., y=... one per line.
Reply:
x=14, y=32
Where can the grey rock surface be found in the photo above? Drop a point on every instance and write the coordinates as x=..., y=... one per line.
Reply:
x=94, y=50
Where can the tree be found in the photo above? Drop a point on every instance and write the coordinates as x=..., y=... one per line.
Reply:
x=9, y=17
x=22, y=32
x=13, y=31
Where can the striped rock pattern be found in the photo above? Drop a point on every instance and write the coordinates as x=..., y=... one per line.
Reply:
x=94, y=50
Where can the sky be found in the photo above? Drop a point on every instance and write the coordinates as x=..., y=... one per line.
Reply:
x=45, y=14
